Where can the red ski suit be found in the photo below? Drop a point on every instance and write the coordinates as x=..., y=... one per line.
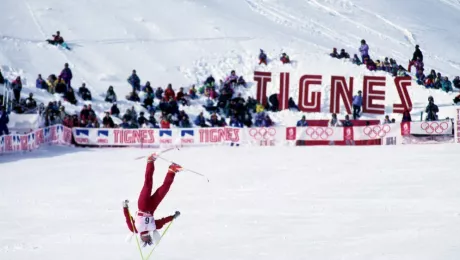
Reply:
x=148, y=203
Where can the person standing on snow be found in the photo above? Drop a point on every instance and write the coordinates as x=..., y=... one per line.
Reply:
x=144, y=222
x=357, y=104
x=364, y=50
x=262, y=57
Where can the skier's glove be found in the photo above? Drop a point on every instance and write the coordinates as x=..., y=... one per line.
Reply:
x=176, y=215
x=125, y=203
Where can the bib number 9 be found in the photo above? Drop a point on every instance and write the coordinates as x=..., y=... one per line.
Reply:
x=147, y=221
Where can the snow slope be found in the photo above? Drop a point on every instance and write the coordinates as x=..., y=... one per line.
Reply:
x=64, y=203
x=183, y=41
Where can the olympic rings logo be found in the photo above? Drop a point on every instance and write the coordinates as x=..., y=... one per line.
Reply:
x=262, y=133
x=434, y=127
x=377, y=131
x=316, y=133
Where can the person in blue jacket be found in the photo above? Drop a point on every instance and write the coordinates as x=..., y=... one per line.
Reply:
x=302, y=122
x=135, y=81
x=234, y=122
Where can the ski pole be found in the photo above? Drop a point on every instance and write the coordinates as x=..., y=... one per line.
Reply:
x=148, y=256
x=137, y=239
x=186, y=169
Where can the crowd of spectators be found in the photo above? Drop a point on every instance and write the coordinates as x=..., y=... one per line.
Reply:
x=433, y=80
x=222, y=99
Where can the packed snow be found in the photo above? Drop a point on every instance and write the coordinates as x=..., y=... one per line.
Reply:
x=389, y=202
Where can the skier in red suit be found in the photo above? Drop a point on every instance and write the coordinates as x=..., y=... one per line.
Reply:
x=144, y=221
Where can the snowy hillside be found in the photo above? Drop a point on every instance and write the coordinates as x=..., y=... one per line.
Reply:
x=302, y=205
x=182, y=42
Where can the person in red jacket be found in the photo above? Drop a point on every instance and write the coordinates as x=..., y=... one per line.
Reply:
x=143, y=221
x=169, y=93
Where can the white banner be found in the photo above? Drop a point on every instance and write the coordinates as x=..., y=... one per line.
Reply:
x=57, y=134
x=431, y=128
x=261, y=136
x=157, y=137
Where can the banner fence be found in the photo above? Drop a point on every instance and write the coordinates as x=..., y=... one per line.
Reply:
x=388, y=134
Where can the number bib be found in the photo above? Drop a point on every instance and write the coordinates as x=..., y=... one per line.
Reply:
x=145, y=223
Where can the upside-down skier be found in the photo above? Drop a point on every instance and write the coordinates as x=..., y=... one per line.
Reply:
x=143, y=220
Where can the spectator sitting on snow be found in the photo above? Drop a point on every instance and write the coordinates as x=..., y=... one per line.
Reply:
x=159, y=93
x=386, y=120
x=84, y=92
x=40, y=83
x=111, y=97
x=210, y=81
x=334, y=53
x=107, y=121
x=214, y=120
x=141, y=120
x=431, y=110
x=347, y=122
x=192, y=92
x=456, y=82
x=124, y=124
x=30, y=102
x=114, y=111
x=356, y=60
x=420, y=77
x=152, y=122
x=70, y=96
x=241, y=81
x=285, y=58
x=209, y=106
x=401, y=71
x=147, y=87
x=169, y=92
x=200, y=120
x=232, y=79
x=343, y=54
x=182, y=97
x=262, y=57
x=164, y=123
x=334, y=121
x=438, y=81
x=234, y=122
x=132, y=96
x=370, y=64
x=302, y=122
x=60, y=86
x=84, y=113
x=446, y=84
x=134, y=81
x=387, y=65
x=57, y=39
